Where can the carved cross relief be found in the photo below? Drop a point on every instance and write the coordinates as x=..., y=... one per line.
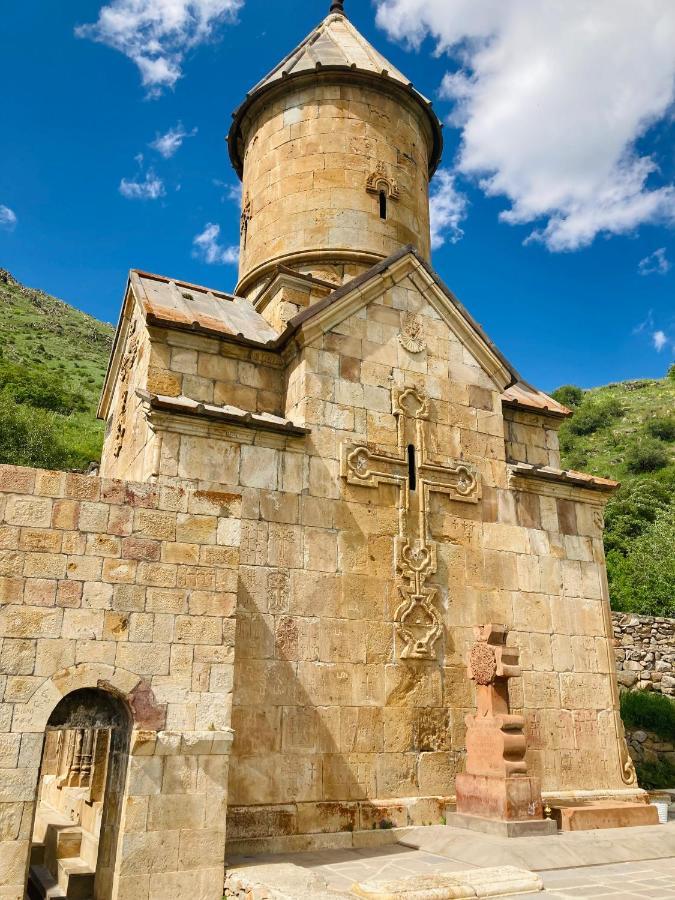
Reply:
x=417, y=476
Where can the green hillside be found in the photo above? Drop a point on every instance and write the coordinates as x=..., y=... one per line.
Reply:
x=626, y=431
x=53, y=360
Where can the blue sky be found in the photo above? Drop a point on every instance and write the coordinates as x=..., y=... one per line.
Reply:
x=76, y=121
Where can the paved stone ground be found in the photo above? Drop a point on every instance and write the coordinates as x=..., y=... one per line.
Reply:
x=653, y=878
x=625, y=881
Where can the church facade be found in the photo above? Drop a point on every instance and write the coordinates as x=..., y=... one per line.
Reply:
x=400, y=483
x=312, y=491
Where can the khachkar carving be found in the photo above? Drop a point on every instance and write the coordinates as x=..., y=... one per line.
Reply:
x=418, y=624
x=380, y=180
x=411, y=336
x=496, y=784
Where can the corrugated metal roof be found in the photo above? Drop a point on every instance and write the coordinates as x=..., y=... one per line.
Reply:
x=179, y=303
x=523, y=395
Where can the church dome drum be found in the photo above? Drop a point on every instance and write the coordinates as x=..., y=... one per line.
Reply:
x=335, y=149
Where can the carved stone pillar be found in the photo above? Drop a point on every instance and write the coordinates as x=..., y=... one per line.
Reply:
x=86, y=757
x=496, y=789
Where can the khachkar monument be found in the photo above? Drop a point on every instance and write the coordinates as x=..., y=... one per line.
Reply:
x=312, y=491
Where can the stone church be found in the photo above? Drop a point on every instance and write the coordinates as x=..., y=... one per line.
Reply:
x=312, y=490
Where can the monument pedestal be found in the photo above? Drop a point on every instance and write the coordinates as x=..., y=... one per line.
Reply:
x=515, y=798
x=589, y=815
x=531, y=828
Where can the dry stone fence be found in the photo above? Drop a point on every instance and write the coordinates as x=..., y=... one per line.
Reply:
x=645, y=652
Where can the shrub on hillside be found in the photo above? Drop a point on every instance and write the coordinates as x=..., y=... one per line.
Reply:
x=643, y=581
x=39, y=388
x=662, y=428
x=593, y=415
x=671, y=372
x=30, y=437
x=569, y=395
x=634, y=508
x=649, y=711
x=647, y=455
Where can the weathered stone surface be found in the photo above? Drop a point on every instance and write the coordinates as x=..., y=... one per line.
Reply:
x=488, y=882
x=604, y=814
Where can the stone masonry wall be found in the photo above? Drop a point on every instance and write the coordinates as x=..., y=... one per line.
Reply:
x=129, y=589
x=645, y=652
x=309, y=156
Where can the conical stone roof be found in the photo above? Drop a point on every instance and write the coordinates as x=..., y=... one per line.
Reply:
x=334, y=42
x=334, y=45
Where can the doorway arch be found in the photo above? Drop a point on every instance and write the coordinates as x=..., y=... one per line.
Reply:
x=81, y=785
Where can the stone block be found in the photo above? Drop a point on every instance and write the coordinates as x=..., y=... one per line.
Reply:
x=30, y=512
x=603, y=814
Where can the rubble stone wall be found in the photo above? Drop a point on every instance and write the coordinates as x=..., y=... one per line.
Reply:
x=129, y=589
x=645, y=652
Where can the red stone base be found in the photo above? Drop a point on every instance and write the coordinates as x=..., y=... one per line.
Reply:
x=603, y=814
x=513, y=799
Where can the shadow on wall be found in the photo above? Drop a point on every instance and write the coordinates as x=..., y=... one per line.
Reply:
x=333, y=733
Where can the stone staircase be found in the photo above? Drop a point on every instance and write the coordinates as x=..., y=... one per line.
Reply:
x=63, y=858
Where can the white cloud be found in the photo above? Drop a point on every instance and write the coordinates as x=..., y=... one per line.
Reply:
x=157, y=34
x=660, y=340
x=170, y=143
x=8, y=218
x=150, y=188
x=448, y=209
x=551, y=99
x=235, y=192
x=657, y=263
x=207, y=248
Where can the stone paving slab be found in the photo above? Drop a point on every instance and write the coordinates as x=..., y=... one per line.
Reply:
x=475, y=883
x=625, y=864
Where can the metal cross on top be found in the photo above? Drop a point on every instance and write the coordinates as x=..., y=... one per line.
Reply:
x=417, y=476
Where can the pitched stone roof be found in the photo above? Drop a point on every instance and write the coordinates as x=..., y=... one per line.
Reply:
x=180, y=304
x=522, y=394
x=335, y=44
x=170, y=303
x=232, y=415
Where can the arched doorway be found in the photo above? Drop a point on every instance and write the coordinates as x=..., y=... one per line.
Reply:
x=79, y=799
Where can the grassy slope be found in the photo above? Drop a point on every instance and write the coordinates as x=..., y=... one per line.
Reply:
x=640, y=527
x=43, y=333
x=603, y=452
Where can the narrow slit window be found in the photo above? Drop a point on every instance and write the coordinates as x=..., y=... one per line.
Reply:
x=412, y=468
x=383, y=204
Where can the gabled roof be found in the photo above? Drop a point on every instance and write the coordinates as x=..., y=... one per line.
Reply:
x=407, y=261
x=334, y=45
x=188, y=307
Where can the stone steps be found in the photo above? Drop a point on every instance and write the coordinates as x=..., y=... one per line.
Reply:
x=75, y=878
x=61, y=862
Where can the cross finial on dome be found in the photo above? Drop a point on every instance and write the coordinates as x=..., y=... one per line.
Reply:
x=338, y=6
